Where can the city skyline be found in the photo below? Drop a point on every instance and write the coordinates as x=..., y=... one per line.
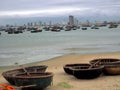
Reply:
x=13, y=11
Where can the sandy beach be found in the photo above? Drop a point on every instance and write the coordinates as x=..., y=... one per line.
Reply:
x=63, y=81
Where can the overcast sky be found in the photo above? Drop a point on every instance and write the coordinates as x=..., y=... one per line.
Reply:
x=32, y=8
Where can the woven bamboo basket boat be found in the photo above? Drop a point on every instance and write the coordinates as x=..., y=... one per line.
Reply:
x=68, y=67
x=112, y=70
x=8, y=75
x=35, y=81
x=87, y=72
x=106, y=61
x=111, y=65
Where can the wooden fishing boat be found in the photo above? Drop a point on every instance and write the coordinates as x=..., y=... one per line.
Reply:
x=8, y=75
x=87, y=72
x=84, y=28
x=34, y=80
x=105, y=61
x=68, y=67
x=36, y=31
x=112, y=70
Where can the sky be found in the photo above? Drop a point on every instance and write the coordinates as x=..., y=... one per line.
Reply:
x=53, y=8
x=26, y=8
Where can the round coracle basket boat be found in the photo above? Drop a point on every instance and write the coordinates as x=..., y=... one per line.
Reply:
x=8, y=75
x=87, y=72
x=34, y=80
x=111, y=65
x=68, y=67
x=112, y=70
x=105, y=61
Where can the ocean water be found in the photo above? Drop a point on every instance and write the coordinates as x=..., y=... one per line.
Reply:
x=32, y=47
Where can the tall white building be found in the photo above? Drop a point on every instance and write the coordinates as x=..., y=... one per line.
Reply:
x=71, y=20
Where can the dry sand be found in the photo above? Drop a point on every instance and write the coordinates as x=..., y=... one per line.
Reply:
x=63, y=81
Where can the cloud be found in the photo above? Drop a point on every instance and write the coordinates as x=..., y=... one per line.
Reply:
x=43, y=12
x=31, y=8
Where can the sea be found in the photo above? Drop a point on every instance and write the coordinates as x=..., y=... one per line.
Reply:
x=30, y=47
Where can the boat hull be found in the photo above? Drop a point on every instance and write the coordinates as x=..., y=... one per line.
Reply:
x=8, y=75
x=84, y=72
x=68, y=67
x=112, y=70
x=111, y=66
x=40, y=80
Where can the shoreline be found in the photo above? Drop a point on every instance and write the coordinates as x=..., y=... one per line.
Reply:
x=69, y=54
x=56, y=64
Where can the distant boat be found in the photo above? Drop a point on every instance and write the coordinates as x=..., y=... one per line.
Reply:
x=46, y=28
x=68, y=28
x=55, y=30
x=16, y=32
x=37, y=30
x=9, y=32
x=74, y=28
x=113, y=25
x=84, y=28
x=94, y=27
x=13, y=31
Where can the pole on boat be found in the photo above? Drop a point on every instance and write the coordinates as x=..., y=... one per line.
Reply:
x=94, y=64
x=25, y=70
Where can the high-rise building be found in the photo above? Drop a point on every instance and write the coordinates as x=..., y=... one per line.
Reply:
x=71, y=20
